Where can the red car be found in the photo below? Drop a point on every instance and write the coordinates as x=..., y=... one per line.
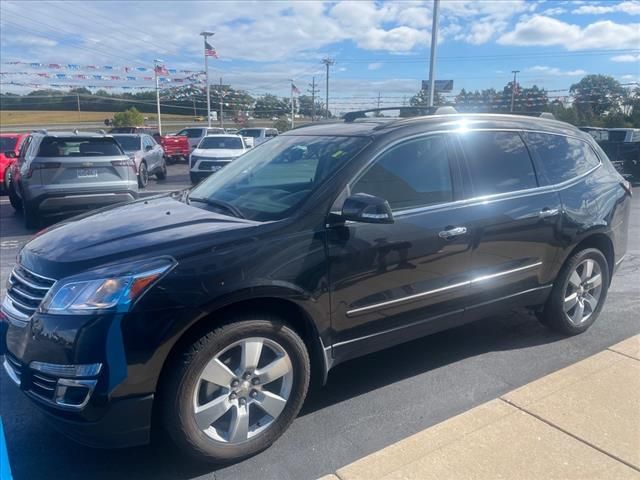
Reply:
x=176, y=147
x=10, y=144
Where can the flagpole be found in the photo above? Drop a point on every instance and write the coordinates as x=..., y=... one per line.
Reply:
x=206, y=75
x=292, y=122
x=155, y=69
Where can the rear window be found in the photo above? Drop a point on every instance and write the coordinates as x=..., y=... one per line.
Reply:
x=8, y=144
x=128, y=144
x=561, y=158
x=191, y=132
x=79, y=147
x=215, y=131
x=617, y=135
x=498, y=162
x=221, y=142
x=250, y=132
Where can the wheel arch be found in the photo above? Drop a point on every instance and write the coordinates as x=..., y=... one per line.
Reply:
x=599, y=241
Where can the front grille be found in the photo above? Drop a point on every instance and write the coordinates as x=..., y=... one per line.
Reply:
x=43, y=385
x=213, y=165
x=25, y=292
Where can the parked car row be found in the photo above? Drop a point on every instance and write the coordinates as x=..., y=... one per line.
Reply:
x=10, y=144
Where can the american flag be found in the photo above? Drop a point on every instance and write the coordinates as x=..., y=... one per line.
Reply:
x=295, y=89
x=209, y=51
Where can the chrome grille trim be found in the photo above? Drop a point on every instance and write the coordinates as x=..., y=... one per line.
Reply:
x=25, y=292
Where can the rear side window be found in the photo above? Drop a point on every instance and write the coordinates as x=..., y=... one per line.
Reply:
x=498, y=162
x=561, y=158
x=191, y=132
x=413, y=174
x=78, y=147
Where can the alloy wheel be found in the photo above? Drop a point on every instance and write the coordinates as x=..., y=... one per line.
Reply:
x=583, y=291
x=242, y=390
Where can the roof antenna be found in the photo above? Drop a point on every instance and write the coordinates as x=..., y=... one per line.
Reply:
x=75, y=132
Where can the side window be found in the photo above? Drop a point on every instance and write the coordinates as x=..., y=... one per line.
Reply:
x=147, y=141
x=23, y=150
x=636, y=136
x=271, y=133
x=561, y=158
x=413, y=174
x=498, y=162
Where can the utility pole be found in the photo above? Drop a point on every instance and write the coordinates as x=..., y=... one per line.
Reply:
x=328, y=62
x=434, y=45
x=156, y=64
x=513, y=88
x=195, y=113
x=313, y=99
x=205, y=35
x=378, y=99
x=78, y=99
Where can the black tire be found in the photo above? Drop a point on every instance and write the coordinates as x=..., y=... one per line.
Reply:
x=162, y=173
x=143, y=175
x=194, y=179
x=14, y=199
x=169, y=160
x=179, y=387
x=6, y=181
x=30, y=216
x=553, y=315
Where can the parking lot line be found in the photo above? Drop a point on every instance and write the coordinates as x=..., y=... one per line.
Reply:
x=5, y=468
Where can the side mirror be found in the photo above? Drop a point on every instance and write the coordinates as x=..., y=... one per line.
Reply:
x=148, y=148
x=365, y=208
x=10, y=154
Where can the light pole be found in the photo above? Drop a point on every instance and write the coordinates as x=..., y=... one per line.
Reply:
x=513, y=88
x=292, y=112
x=434, y=45
x=328, y=62
x=156, y=64
x=205, y=35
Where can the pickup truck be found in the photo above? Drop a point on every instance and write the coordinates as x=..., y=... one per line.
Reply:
x=176, y=148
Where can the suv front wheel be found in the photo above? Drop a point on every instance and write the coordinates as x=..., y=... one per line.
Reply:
x=235, y=390
x=578, y=293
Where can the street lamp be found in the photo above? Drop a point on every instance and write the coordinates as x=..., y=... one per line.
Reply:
x=206, y=35
x=157, y=62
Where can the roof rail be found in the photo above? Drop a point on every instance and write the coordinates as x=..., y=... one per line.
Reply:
x=40, y=130
x=405, y=112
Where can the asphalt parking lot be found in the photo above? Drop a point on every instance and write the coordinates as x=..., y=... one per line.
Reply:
x=368, y=403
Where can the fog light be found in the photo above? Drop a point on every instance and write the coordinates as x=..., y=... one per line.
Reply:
x=74, y=394
x=72, y=371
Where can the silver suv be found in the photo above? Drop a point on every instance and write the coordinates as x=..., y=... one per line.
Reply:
x=60, y=173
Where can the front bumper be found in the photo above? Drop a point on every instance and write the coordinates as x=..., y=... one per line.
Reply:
x=81, y=201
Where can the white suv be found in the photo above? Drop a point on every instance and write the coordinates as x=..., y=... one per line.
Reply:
x=213, y=153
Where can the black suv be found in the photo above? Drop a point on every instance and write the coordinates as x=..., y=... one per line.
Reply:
x=210, y=309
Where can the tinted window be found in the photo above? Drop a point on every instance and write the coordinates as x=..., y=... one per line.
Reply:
x=7, y=144
x=250, y=132
x=617, y=135
x=78, y=147
x=215, y=131
x=561, y=158
x=221, y=142
x=191, y=132
x=128, y=143
x=415, y=173
x=498, y=162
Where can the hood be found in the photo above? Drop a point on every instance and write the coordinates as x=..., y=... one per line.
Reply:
x=142, y=229
x=217, y=152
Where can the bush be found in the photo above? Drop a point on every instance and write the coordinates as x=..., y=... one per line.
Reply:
x=128, y=118
x=282, y=124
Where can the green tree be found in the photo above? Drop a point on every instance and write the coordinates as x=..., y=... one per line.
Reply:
x=269, y=106
x=282, y=124
x=129, y=118
x=421, y=99
x=596, y=95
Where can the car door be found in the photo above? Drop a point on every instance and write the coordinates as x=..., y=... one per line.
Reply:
x=515, y=222
x=150, y=153
x=393, y=282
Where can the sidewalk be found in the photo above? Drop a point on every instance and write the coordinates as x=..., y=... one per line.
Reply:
x=582, y=422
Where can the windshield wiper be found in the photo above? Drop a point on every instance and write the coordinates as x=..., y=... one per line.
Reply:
x=220, y=204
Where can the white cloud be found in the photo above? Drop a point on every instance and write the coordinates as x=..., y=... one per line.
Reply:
x=546, y=31
x=626, y=58
x=631, y=7
x=556, y=71
x=374, y=66
x=551, y=12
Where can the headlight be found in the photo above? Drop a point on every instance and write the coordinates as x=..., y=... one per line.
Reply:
x=114, y=287
x=193, y=159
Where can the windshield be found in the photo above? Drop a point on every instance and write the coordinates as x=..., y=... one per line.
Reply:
x=128, y=144
x=7, y=144
x=191, y=132
x=267, y=182
x=79, y=147
x=250, y=132
x=221, y=142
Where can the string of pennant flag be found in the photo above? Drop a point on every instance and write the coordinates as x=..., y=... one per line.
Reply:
x=86, y=76
x=74, y=66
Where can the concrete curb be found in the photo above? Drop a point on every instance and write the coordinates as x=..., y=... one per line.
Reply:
x=581, y=422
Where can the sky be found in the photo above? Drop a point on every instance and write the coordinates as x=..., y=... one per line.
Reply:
x=378, y=46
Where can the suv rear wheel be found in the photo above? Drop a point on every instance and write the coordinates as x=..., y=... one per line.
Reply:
x=235, y=390
x=143, y=175
x=578, y=293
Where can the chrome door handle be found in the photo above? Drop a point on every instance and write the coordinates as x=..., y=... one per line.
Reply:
x=548, y=212
x=452, y=232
